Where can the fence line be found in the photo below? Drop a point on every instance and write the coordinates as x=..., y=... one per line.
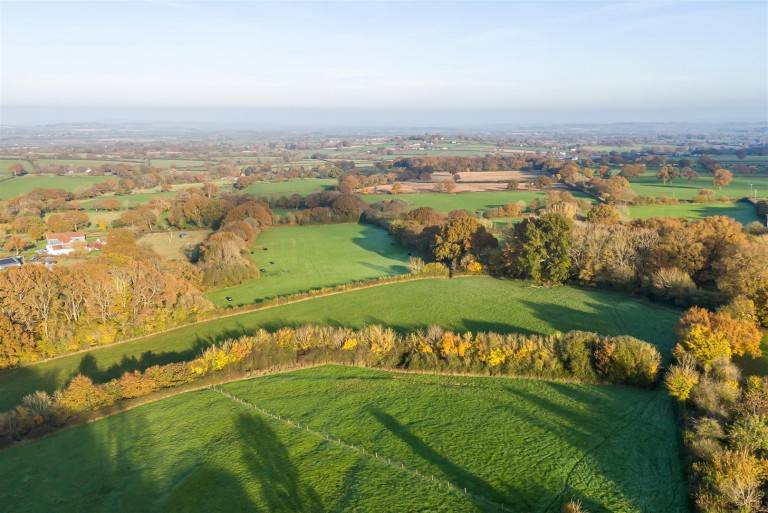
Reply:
x=375, y=455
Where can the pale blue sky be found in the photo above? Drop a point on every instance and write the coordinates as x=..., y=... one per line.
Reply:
x=643, y=61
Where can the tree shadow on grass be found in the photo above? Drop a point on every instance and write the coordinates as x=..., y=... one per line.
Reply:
x=89, y=365
x=269, y=462
x=460, y=477
x=377, y=240
x=17, y=382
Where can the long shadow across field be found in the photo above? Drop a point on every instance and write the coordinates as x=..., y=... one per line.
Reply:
x=584, y=431
x=89, y=365
x=452, y=472
x=269, y=462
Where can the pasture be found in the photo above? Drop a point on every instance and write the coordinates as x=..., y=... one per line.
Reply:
x=70, y=183
x=171, y=244
x=649, y=185
x=474, y=201
x=310, y=257
x=742, y=211
x=459, y=304
x=526, y=444
x=181, y=164
x=289, y=187
x=6, y=163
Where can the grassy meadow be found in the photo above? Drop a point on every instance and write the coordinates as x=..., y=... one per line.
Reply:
x=289, y=187
x=171, y=245
x=526, y=444
x=6, y=163
x=460, y=304
x=23, y=184
x=309, y=257
x=742, y=211
x=649, y=185
x=474, y=201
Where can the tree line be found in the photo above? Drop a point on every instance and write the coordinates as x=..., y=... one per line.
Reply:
x=126, y=292
x=725, y=417
x=574, y=355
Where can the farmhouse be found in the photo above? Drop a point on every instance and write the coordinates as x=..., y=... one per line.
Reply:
x=8, y=262
x=63, y=243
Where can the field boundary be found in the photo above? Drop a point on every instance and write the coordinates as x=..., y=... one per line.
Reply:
x=87, y=417
x=270, y=303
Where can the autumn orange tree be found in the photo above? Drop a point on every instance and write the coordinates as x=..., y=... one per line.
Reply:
x=459, y=237
x=17, y=244
x=711, y=335
x=721, y=178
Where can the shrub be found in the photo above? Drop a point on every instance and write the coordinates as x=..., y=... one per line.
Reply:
x=415, y=265
x=681, y=378
x=631, y=361
x=171, y=375
x=227, y=275
x=81, y=395
x=673, y=284
x=575, y=349
x=136, y=384
x=435, y=269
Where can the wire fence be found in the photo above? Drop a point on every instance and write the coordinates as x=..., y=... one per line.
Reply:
x=437, y=481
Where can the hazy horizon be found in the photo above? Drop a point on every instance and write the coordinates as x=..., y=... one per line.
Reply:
x=376, y=64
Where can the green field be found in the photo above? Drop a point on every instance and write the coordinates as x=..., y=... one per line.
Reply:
x=310, y=257
x=474, y=201
x=171, y=245
x=649, y=185
x=129, y=201
x=742, y=211
x=527, y=444
x=180, y=164
x=460, y=304
x=303, y=187
x=87, y=163
x=23, y=184
x=5, y=165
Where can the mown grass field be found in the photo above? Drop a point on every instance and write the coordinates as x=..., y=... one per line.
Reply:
x=310, y=257
x=5, y=165
x=742, y=211
x=474, y=201
x=460, y=304
x=649, y=185
x=287, y=188
x=23, y=184
x=527, y=444
x=180, y=164
x=171, y=245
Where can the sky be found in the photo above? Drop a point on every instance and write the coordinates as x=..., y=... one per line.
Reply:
x=383, y=62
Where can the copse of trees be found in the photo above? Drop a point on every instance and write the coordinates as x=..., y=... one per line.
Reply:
x=127, y=292
x=574, y=355
x=460, y=239
x=614, y=190
x=675, y=259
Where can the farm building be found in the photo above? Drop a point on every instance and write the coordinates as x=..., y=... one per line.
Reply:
x=8, y=262
x=63, y=243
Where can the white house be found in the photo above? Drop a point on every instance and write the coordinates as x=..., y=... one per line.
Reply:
x=63, y=243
